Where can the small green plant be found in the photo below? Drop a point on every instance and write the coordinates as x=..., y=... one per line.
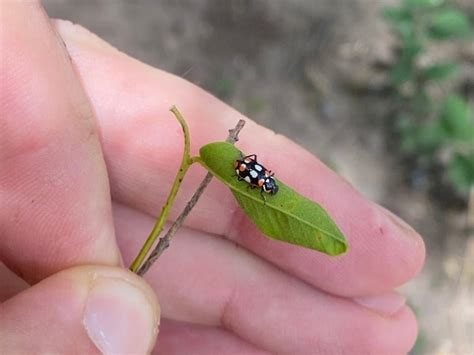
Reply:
x=287, y=216
x=436, y=125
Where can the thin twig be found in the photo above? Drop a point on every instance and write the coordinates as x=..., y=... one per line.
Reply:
x=164, y=242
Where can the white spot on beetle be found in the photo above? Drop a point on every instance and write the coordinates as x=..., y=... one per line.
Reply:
x=247, y=178
x=253, y=174
x=258, y=167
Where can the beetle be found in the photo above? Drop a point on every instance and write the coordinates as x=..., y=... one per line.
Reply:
x=256, y=175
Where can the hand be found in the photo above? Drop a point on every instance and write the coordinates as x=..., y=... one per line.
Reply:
x=223, y=287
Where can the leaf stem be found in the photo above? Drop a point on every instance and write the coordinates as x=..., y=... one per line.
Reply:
x=185, y=163
x=164, y=242
x=196, y=159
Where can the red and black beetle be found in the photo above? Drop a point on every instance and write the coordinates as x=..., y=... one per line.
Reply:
x=248, y=169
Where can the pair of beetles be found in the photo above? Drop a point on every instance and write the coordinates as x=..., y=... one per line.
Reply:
x=248, y=169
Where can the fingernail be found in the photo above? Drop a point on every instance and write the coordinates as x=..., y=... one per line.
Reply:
x=386, y=305
x=119, y=317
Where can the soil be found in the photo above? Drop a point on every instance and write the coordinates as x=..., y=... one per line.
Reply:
x=311, y=70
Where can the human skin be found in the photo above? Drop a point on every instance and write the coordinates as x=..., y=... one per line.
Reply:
x=88, y=151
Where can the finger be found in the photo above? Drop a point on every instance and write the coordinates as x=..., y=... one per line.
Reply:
x=53, y=179
x=81, y=310
x=185, y=338
x=142, y=147
x=208, y=280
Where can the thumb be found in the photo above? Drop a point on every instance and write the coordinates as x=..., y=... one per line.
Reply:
x=81, y=310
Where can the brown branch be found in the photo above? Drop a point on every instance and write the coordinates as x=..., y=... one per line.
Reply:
x=164, y=242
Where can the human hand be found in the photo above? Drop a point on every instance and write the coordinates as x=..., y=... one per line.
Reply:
x=56, y=214
x=223, y=287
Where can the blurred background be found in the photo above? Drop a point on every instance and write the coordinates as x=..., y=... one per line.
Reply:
x=381, y=90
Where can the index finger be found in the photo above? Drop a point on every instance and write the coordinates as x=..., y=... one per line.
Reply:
x=54, y=194
x=142, y=145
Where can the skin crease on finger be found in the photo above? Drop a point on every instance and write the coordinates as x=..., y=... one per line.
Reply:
x=10, y=283
x=140, y=138
x=204, y=279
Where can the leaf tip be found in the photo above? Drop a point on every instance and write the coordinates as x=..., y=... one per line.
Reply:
x=341, y=249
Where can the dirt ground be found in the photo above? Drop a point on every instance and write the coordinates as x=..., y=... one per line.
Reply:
x=304, y=68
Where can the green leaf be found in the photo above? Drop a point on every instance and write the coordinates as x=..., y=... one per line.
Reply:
x=461, y=171
x=397, y=15
x=422, y=139
x=440, y=71
x=423, y=3
x=456, y=119
x=430, y=138
x=286, y=216
x=408, y=133
x=403, y=71
x=449, y=23
x=401, y=20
